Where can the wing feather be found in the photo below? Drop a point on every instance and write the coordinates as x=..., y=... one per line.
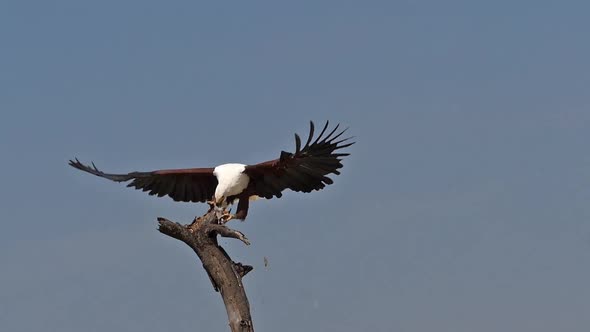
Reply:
x=322, y=133
x=311, y=129
x=297, y=144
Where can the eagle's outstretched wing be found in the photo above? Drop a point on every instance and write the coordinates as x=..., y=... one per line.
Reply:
x=305, y=170
x=185, y=185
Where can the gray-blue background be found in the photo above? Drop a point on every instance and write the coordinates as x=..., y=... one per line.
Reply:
x=464, y=205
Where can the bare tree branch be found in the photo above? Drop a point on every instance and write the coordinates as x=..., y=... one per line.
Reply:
x=225, y=275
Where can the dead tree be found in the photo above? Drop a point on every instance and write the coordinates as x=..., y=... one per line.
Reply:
x=225, y=274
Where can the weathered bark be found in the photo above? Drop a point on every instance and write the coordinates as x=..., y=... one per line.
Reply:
x=225, y=274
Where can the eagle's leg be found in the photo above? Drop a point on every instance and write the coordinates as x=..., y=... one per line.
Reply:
x=220, y=206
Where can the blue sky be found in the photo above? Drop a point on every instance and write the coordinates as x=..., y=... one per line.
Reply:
x=463, y=207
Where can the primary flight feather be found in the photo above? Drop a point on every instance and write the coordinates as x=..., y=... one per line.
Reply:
x=304, y=170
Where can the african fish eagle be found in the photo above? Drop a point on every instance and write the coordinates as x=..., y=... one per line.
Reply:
x=305, y=171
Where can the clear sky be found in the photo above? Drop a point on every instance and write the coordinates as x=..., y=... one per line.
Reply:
x=463, y=207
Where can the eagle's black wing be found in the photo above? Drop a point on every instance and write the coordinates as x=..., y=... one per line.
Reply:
x=305, y=170
x=185, y=185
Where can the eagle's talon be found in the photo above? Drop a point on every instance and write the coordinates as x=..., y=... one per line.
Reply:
x=226, y=216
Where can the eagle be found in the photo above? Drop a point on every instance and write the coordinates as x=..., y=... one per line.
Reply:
x=304, y=170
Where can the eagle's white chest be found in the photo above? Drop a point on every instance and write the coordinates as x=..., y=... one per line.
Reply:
x=231, y=180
